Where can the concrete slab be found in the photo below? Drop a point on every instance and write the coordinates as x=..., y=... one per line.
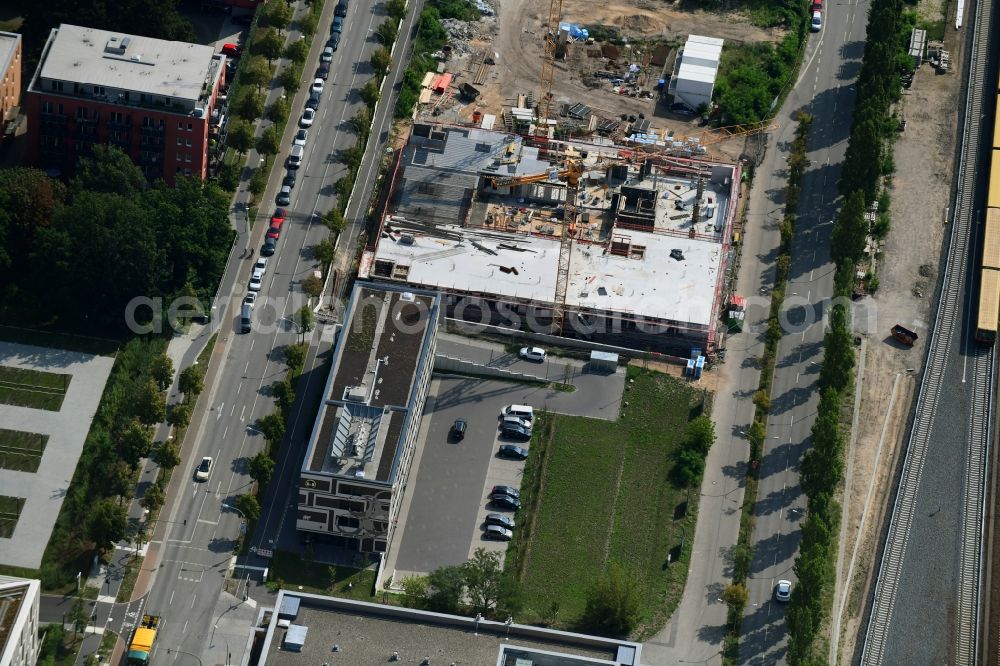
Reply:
x=67, y=429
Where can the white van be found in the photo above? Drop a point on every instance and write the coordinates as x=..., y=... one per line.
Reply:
x=817, y=22
x=523, y=412
x=295, y=157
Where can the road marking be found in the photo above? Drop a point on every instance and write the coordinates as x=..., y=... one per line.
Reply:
x=243, y=412
x=246, y=368
x=239, y=388
x=208, y=522
x=218, y=412
x=183, y=631
x=251, y=349
x=193, y=597
x=233, y=410
x=225, y=432
x=171, y=597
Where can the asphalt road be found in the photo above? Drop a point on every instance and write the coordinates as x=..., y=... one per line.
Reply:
x=200, y=533
x=825, y=90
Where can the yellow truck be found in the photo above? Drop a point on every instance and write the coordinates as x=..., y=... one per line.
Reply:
x=141, y=647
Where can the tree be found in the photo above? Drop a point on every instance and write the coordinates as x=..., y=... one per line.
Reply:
x=191, y=381
x=381, y=59
x=261, y=468
x=304, y=319
x=228, y=176
x=269, y=142
x=688, y=469
x=370, y=93
x=149, y=406
x=249, y=506
x=307, y=24
x=134, y=442
x=295, y=356
x=107, y=523
x=847, y=241
x=110, y=171
x=161, y=369
x=312, y=285
x=291, y=78
x=277, y=15
x=735, y=595
x=78, y=616
x=415, y=591
x=334, y=220
x=325, y=251
x=272, y=427
x=240, y=136
x=255, y=72
x=700, y=435
x=361, y=122
x=249, y=105
x=278, y=111
x=180, y=415
x=396, y=9
x=483, y=573
x=154, y=498
x=612, y=603
x=269, y=43
x=446, y=585
x=297, y=51
x=167, y=455
x=387, y=31
x=258, y=182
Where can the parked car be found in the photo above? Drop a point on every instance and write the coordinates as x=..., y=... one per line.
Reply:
x=313, y=102
x=284, y=196
x=505, y=502
x=515, y=432
x=516, y=421
x=274, y=231
x=316, y=87
x=231, y=50
x=301, y=136
x=204, y=469
x=289, y=179
x=817, y=6
x=308, y=116
x=327, y=55
x=334, y=41
x=278, y=216
x=340, y=9
x=261, y=264
x=817, y=22
x=783, y=591
x=458, y=429
x=536, y=354
x=506, y=490
x=497, y=533
x=267, y=249
x=338, y=24
x=250, y=299
x=499, y=519
x=512, y=452
x=323, y=71
x=256, y=280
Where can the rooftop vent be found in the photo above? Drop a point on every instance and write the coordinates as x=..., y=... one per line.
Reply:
x=136, y=58
x=116, y=46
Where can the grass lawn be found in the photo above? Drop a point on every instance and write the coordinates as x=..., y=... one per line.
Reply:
x=40, y=338
x=290, y=572
x=32, y=388
x=129, y=576
x=10, y=510
x=21, y=451
x=602, y=494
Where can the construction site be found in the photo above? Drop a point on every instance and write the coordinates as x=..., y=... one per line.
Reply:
x=609, y=243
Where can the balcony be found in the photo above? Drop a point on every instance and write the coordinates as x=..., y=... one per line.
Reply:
x=148, y=130
x=123, y=124
x=152, y=142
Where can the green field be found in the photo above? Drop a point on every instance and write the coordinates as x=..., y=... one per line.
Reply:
x=33, y=388
x=601, y=494
x=21, y=451
x=295, y=573
x=10, y=510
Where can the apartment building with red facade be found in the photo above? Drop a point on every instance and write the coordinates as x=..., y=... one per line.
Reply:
x=10, y=79
x=152, y=98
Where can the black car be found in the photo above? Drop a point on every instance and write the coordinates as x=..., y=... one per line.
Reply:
x=334, y=41
x=512, y=452
x=503, y=521
x=338, y=24
x=267, y=249
x=323, y=71
x=313, y=102
x=517, y=432
x=289, y=178
x=510, y=491
x=340, y=9
x=458, y=429
x=505, y=502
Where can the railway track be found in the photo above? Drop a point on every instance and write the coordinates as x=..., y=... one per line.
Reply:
x=950, y=308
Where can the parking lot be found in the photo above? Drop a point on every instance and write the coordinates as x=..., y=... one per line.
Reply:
x=442, y=516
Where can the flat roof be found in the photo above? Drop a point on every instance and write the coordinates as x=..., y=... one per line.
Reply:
x=380, y=352
x=452, y=258
x=689, y=72
x=367, y=633
x=989, y=300
x=993, y=196
x=991, y=239
x=8, y=47
x=17, y=599
x=128, y=62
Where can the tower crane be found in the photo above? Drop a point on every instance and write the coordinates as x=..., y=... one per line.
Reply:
x=548, y=67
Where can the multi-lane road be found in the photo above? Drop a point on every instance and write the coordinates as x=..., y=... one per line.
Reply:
x=191, y=552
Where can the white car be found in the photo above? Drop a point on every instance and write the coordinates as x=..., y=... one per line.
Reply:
x=327, y=54
x=256, y=280
x=250, y=299
x=300, y=137
x=308, y=116
x=783, y=591
x=261, y=265
x=532, y=354
x=317, y=86
x=204, y=469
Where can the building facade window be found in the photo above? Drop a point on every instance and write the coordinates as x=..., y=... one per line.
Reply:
x=46, y=107
x=99, y=90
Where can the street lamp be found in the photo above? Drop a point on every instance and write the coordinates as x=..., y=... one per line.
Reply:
x=187, y=653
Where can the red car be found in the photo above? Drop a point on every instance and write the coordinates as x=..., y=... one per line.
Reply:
x=274, y=230
x=817, y=6
x=231, y=50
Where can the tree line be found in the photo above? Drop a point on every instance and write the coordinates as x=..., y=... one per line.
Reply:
x=77, y=254
x=822, y=468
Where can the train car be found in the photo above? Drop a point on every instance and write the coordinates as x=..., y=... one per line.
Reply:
x=991, y=239
x=989, y=306
x=993, y=195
